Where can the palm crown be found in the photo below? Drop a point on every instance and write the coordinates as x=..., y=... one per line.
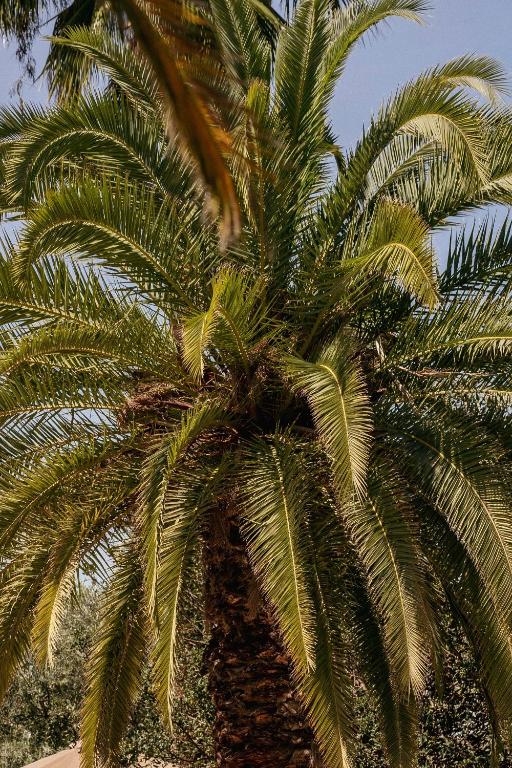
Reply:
x=346, y=402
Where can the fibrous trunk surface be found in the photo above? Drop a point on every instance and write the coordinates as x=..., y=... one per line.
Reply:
x=259, y=721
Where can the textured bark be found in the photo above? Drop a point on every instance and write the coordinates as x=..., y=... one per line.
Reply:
x=259, y=722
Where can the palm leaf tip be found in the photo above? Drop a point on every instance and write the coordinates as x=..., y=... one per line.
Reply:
x=399, y=243
x=115, y=668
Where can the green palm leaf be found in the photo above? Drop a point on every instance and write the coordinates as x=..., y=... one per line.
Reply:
x=460, y=332
x=454, y=470
x=115, y=667
x=478, y=256
x=335, y=392
x=300, y=51
x=383, y=538
x=398, y=244
x=119, y=63
x=160, y=463
x=19, y=581
x=398, y=717
x=328, y=688
x=198, y=329
x=186, y=502
x=45, y=480
x=315, y=380
x=351, y=23
x=273, y=512
x=486, y=630
x=122, y=225
x=76, y=539
x=432, y=108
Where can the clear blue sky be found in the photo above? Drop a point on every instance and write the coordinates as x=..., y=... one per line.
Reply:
x=402, y=50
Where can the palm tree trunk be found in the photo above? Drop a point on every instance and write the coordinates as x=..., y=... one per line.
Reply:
x=258, y=718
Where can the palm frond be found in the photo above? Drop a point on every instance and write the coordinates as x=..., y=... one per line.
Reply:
x=19, y=581
x=80, y=529
x=273, y=513
x=460, y=332
x=478, y=256
x=39, y=483
x=484, y=626
x=233, y=322
x=398, y=717
x=198, y=329
x=57, y=291
x=111, y=135
x=398, y=245
x=299, y=55
x=246, y=52
x=499, y=187
x=328, y=688
x=114, y=674
x=453, y=466
x=186, y=501
x=335, y=391
x=110, y=224
x=432, y=108
x=384, y=541
x=66, y=68
x=157, y=471
x=204, y=140
x=116, y=61
x=66, y=346
x=351, y=23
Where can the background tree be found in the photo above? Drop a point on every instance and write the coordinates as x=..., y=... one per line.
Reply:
x=40, y=715
x=41, y=711
x=315, y=414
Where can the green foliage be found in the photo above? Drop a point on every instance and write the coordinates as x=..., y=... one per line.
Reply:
x=41, y=713
x=452, y=730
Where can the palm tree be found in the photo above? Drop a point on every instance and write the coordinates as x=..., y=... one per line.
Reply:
x=315, y=419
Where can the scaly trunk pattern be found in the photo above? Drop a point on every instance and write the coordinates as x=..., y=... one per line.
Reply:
x=258, y=722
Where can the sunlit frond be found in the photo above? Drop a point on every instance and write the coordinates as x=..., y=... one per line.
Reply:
x=453, y=466
x=336, y=394
x=479, y=257
x=431, y=108
x=110, y=224
x=398, y=717
x=117, y=61
x=187, y=499
x=464, y=331
x=328, y=688
x=385, y=542
x=45, y=480
x=273, y=513
x=115, y=667
x=398, y=245
x=351, y=23
x=300, y=51
x=159, y=465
